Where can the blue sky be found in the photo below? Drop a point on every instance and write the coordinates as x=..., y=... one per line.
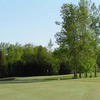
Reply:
x=30, y=21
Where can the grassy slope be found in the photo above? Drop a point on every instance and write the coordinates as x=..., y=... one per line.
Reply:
x=33, y=89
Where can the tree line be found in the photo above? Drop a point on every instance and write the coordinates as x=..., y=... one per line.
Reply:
x=29, y=60
x=18, y=60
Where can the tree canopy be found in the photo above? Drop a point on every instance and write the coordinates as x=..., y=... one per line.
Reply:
x=80, y=35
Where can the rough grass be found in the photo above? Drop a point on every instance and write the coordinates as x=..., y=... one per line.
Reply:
x=50, y=88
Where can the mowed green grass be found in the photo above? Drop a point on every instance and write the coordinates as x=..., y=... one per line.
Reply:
x=50, y=88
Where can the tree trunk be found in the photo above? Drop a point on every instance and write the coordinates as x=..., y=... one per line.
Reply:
x=90, y=74
x=86, y=74
x=80, y=75
x=95, y=72
x=75, y=74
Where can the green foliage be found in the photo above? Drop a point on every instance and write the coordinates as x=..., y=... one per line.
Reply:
x=50, y=44
x=80, y=34
x=98, y=57
x=61, y=54
x=26, y=60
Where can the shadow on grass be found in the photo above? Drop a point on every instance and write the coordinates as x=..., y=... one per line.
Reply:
x=13, y=80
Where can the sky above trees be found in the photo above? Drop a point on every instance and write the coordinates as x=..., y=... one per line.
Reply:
x=31, y=21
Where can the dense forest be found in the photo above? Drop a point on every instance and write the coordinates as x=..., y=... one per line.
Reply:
x=78, y=51
x=30, y=60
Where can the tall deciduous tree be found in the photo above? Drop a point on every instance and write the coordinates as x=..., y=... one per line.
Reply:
x=78, y=36
x=95, y=16
x=50, y=45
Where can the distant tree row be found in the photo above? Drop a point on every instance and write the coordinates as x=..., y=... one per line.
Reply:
x=29, y=60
